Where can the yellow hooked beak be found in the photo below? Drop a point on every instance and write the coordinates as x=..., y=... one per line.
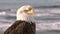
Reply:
x=31, y=12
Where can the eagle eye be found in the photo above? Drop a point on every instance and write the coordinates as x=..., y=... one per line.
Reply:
x=30, y=9
x=26, y=10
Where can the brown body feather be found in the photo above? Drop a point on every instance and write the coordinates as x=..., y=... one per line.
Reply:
x=21, y=27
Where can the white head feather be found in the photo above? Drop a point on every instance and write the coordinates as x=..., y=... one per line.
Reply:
x=22, y=15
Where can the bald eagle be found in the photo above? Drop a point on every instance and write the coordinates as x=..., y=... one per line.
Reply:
x=24, y=23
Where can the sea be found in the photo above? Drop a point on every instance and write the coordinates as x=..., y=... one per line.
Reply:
x=47, y=19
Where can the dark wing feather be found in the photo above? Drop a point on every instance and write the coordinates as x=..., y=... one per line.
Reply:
x=21, y=27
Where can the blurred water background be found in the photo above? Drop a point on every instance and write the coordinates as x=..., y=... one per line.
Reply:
x=47, y=16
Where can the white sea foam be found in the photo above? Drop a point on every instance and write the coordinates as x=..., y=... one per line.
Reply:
x=48, y=26
x=55, y=11
x=2, y=13
x=4, y=26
